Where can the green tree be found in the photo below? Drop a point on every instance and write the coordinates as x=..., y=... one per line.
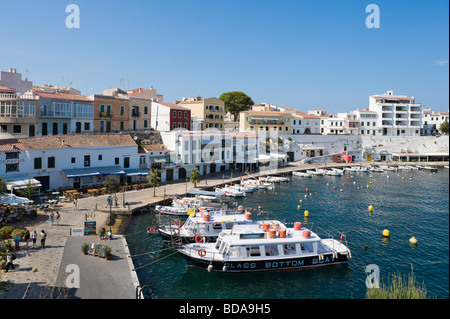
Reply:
x=444, y=128
x=3, y=188
x=111, y=185
x=153, y=179
x=28, y=191
x=236, y=102
x=195, y=177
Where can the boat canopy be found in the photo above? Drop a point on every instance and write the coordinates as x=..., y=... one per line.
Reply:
x=202, y=192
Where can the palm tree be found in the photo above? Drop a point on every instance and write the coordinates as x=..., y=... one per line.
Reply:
x=195, y=177
x=153, y=180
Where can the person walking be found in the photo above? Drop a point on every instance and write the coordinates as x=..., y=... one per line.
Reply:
x=51, y=218
x=75, y=202
x=43, y=236
x=108, y=201
x=9, y=261
x=33, y=238
x=58, y=217
x=26, y=238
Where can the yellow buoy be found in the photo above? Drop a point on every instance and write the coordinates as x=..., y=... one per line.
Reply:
x=386, y=233
x=301, y=201
x=306, y=213
x=370, y=208
x=413, y=240
x=367, y=186
x=403, y=178
x=298, y=207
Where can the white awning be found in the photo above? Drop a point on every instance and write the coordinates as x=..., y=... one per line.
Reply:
x=21, y=183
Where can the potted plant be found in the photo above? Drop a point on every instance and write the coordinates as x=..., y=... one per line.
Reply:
x=6, y=231
x=85, y=248
x=107, y=252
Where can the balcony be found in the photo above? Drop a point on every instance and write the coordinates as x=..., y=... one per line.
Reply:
x=10, y=96
x=136, y=114
x=105, y=114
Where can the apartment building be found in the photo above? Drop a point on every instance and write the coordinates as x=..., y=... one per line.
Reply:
x=398, y=115
x=305, y=124
x=265, y=121
x=432, y=121
x=367, y=122
x=208, y=113
x=168, y=116
x=64, y=113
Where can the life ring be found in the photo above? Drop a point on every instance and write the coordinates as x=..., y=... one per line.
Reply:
x=177, y=222
x=202, y=252
x=198, y=239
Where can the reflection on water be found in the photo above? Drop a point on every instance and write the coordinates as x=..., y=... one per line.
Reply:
x=407, y=208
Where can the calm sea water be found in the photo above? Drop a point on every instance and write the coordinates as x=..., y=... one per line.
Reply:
x=419, y=208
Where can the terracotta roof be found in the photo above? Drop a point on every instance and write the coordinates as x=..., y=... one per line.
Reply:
x=155, y=148
x=70, y=140
x=266, y=112
x=59, y=96
x=7, y=89
x=300, y=116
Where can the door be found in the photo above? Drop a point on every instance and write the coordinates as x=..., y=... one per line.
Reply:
x=31, y=132
x=78, y=127
x=55, y=129
x=44, y=129
x=102, y=126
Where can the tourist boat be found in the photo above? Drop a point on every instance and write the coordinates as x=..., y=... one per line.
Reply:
x=265, y=246
x=302, y=174
x=186, y=205
x=231, y=192
x=204, y=226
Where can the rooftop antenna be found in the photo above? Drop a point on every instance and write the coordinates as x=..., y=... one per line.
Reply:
x=26, y=71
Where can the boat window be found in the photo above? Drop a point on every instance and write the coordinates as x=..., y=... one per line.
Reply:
x=217, y=226
x=289, y=249
x=235, y=252
x=307, y=247
x=271, y=250
x=253, y=251
x=219, y=241
x=204, y=228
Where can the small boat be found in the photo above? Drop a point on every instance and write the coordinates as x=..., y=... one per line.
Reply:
x=320, y=172
x=446, y=166
x=413, y=168
x=265, y=246
x=388, y=168
x=334, y=172
x=428, y=168
x=364, y=169
x=230, y=192
x=352, y=169
x=243, y=188
x=274, y=179
x=204, y=226
x=377, y=169
x=302, y=174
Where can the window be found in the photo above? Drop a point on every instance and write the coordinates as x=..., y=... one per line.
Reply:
x=87, y=126
x=185, y=114
x=100, y=157
x=10, y=155
x=271, y=250
x=17, y=128
x=12, y=168
x=126, y=162
x=122, y=110
x=37, y=163
x=179, y=114
x=289, y=249
x=116, y=161
x=87, y=160
x=44, y=129
x=145, y=123
x=51, y=162
x=174, y=114
x=253, y=251
x=73, y=160
x=145, y=109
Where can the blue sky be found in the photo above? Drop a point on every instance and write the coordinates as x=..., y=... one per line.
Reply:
x=299, y=54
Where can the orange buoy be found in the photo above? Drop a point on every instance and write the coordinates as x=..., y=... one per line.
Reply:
x=248, y=216
x=297, y=226
x=306, y=189
x=265, y=227
x=198, y=239
x=282, y=232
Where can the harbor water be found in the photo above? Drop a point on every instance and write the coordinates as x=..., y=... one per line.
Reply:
x=415, y=203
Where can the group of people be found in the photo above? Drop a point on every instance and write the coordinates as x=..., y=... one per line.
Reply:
x=33, y=237
x=56, y=216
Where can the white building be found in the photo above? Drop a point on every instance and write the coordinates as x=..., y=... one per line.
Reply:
x=367, y=122
x=305, y=124
x=398, y=115
x=68, y=161
x=432, y=121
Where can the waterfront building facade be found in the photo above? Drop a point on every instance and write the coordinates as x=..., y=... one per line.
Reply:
x=367, y=122
x=398, y=115
x=305, y=124
x=210, y=110
x=62, y=113
x=265, y=121
x=168, y=116
x=111, y=111
x=72, y=160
